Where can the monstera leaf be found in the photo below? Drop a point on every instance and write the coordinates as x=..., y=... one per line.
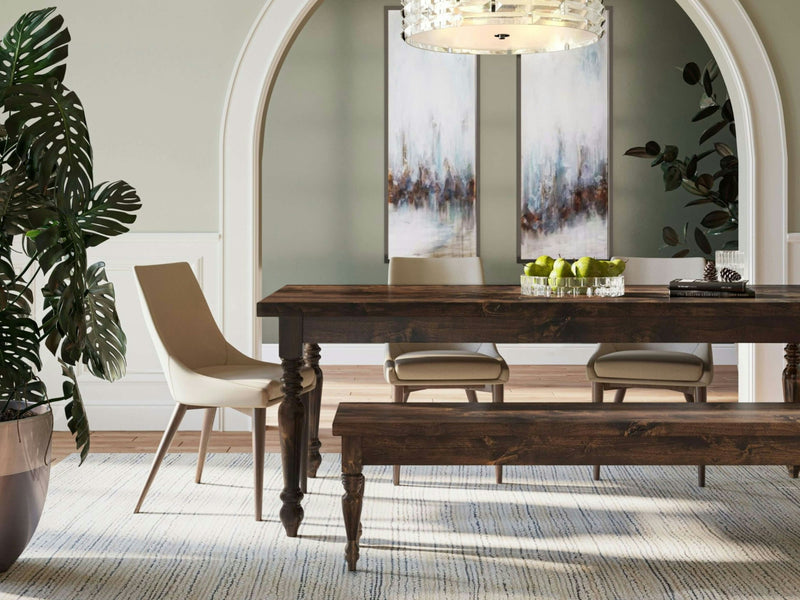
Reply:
x=81, y=320
x=33, y=50
x=19, y=352
x=104, y=351
x=49, y=124
x=75, y=411
x=109, y=209
x=15, y=294
x=23, y=206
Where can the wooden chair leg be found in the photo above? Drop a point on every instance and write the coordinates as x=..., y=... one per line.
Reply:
x=205, y=434
x=700, y=395
x=400, y=396
x=689, y=397
x=597, y=396
x=471, y=395
x=497, y=398
x=619, y=395
x=166, y=440
x=259, y=437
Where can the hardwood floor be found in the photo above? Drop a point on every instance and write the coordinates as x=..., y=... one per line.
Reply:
x=366, y=384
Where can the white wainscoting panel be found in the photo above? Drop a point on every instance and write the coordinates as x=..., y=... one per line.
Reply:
x=141, y=400
x=793, y=243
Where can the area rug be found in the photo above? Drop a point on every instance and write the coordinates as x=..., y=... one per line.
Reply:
x=446, y=533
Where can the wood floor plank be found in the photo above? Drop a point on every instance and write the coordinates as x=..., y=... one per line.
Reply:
x=366, y=384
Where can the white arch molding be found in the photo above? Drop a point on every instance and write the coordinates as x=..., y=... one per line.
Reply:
x=751, y=83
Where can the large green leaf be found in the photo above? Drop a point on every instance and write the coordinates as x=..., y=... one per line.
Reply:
x=76, y=412
x=50, y=125
x=670, y=236
x=23, y=206
x=15, y=295
x=109, y=208
x=702, y=241
x=104, y=352
x=716, y=218
x=33, y=50
x=19, y=351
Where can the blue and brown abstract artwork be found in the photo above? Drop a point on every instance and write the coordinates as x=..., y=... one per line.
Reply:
x=564, y=153
x=431, y=150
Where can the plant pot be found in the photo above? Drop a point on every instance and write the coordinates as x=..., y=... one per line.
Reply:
x=24, y=477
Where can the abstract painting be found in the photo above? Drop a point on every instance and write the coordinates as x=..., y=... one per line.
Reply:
x=564, y=114
x=431, y=150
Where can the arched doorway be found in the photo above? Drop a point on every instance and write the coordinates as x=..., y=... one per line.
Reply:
x=748, y=74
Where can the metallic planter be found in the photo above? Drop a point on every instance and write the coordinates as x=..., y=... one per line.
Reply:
x=24, y=477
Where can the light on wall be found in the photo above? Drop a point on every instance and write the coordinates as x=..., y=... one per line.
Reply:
x=502, y=27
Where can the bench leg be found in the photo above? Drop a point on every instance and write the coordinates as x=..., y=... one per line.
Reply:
x=352, y=501
x=700, y=395
x=597, y=396
x=497, y=398
x=791, y=387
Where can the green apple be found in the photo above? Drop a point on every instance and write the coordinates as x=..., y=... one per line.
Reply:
x=546, y=261
x=535, y=270
x=587, y=266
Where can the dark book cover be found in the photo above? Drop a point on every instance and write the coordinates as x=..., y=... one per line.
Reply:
x=681, y=293
x=712, y=286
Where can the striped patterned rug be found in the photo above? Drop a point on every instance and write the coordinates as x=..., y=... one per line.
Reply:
x=447, y=533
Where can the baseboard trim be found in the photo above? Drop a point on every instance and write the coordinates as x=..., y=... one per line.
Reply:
x=515, y=354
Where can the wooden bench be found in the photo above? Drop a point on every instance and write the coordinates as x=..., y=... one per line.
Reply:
x=557, y=434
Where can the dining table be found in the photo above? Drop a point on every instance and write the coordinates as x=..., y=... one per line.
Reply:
x=313, y=315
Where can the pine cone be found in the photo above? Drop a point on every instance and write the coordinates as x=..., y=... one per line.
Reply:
x=727, y=274
x=710, y=271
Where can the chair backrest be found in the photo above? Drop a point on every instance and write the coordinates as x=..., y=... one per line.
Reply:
x=660, y=271
x=176, y=312
x=435, y=271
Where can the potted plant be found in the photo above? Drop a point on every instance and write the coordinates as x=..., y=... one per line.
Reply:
x=50, y=214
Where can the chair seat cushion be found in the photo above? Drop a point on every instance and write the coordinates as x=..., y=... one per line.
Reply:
x=263, y=377
x=649, y=365
x=445, y=365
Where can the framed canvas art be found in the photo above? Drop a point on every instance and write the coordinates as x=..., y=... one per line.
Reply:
x=563, y=148
x=431, y=161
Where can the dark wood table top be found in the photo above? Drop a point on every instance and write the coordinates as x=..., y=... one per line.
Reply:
x=381, y=299
x=380, y=313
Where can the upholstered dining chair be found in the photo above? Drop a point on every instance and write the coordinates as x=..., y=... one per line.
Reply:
x=414, y=367
x=204, y=371
x=685, y=368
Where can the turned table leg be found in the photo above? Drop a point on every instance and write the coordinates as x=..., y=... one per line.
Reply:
x=791, y=387
x=311, y=355
x=291, y=422
x=353, y=482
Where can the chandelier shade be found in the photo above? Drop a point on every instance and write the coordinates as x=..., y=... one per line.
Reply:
x=500, y=27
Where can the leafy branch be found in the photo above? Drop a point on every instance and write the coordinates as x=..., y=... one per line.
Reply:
x=716, y=184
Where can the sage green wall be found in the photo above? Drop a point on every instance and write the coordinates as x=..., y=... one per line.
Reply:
x=153, y=77
x=324, y=144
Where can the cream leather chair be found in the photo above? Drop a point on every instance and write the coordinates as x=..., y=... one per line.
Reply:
x=686, y=368
x=413, y=367
x=203, y=371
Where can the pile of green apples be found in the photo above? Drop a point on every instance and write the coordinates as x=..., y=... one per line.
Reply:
x=586, y=266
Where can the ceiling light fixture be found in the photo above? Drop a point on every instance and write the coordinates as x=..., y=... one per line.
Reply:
x=500, y=27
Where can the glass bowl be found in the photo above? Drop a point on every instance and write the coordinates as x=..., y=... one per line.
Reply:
x=562, y=287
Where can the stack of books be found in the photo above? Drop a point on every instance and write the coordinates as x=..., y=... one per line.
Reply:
x=710, y=289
